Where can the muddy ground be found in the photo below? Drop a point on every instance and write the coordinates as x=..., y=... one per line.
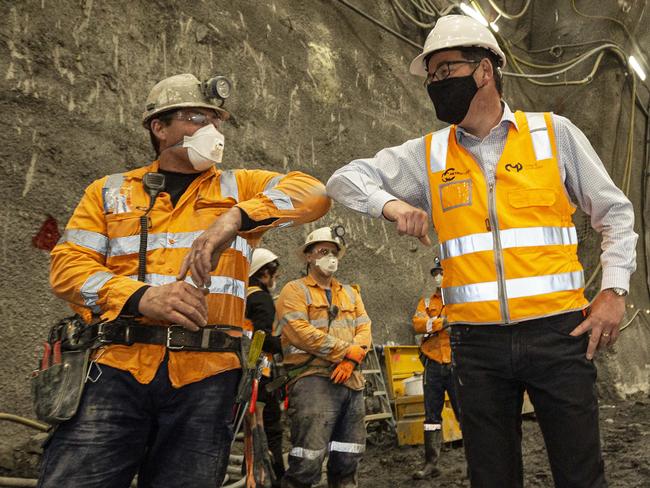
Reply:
x=625, y=433
x=625, y=429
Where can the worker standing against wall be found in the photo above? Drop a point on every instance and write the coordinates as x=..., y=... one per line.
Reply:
x=260, y=315
x=500, y=188
x=325, y=336
x=435, y=354
x=161, y=392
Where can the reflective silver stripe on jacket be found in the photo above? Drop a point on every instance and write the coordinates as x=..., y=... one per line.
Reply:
x=311, y=454
x=360, y=320
x=438, y=150
x=510, y=238
x=224, y=285
x=539, y=134
x=348, y=289
x=273, y=182
x=228, y=183
x=515, y=288
x=90, y=289
x=306, y=290
x=297, y=315
x=85, y=238
x=111, y=194
x=427, y=301
x=121, y=246
x=280, y=199
x=432, y=427
x=350, y=447
x=429, y=324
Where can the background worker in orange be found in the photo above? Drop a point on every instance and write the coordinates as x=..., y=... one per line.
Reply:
x=435, y=354
x=165, y=412
x=325, y=334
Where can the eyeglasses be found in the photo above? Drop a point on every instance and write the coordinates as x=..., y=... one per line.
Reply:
x=324, y=252
x=199, y=118
x=444, y=70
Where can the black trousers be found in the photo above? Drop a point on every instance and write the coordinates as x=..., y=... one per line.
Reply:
x=493, y=365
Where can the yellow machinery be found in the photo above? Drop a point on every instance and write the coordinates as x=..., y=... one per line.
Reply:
x=403, y=362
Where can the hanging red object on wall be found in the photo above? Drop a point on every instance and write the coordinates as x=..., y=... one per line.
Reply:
x=48, y=235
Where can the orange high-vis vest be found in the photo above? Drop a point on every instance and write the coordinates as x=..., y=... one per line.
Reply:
x=509, y=250
x=429, y=320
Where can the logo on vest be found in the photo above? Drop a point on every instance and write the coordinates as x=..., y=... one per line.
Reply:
x=514, y=167
x=451, y=173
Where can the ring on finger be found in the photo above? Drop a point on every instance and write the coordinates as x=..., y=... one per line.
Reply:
x=605, y=334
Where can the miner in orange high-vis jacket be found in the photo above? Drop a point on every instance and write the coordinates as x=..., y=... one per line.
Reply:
x=161, y=400
x=435, y=354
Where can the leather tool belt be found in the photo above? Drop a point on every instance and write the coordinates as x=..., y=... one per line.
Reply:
x=212, y=338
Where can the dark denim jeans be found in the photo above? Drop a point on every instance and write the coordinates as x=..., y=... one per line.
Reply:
x=171, y=437
x=437, y=381
x=493, y=365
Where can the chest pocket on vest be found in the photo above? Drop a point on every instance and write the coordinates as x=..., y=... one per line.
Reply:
x=531, y=197
x=455, y=194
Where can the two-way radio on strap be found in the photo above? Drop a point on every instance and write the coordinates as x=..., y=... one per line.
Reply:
x=153, y=183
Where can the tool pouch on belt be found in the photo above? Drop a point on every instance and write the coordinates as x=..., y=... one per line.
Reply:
x=245, y=383
x=58, y=382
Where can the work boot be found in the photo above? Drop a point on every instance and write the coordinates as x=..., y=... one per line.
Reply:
x=345, y=482
x=432, y=443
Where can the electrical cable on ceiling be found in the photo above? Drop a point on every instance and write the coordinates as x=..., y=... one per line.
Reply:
x=383, y=26
x=506, y=15
x=423, y=25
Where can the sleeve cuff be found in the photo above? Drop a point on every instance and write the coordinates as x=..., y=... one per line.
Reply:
x=376, y=202
x=614, y=277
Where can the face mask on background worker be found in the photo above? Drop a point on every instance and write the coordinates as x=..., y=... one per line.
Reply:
x=452, y=97
x=328, y=264
x=437, y=280
x=204, y=147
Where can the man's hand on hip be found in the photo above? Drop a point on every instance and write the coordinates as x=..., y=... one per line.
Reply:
x=176, y=303
x=410, y=221
x=603, y=322
x=207, y=248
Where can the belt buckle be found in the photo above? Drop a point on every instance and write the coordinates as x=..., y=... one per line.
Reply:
x=170, y=333
x=102, y=334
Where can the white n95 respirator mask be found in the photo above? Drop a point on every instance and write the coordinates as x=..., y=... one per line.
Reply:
x=328, y=264
x=204, y=147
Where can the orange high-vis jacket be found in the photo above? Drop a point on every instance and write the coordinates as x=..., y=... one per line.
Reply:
x=94, y=266
x=429, y=320
x=302, y=320
x=509, y=249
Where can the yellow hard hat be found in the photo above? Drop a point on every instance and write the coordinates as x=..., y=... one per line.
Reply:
x=453, y=31
x=186, y=91
x=323, y=234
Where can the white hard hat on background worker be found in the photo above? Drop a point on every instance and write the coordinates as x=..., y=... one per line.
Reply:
x=453, y=31
x=261, y=257
x=323, y=234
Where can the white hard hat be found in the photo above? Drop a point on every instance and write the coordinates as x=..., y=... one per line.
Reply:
x=324, y=234
x=261, y=257
x=179, y=91
x=453, y=31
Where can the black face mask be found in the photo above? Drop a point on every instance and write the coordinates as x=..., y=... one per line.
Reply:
x=452, y=97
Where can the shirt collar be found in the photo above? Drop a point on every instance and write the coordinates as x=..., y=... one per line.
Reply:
x=309, y=281
x=507, y=117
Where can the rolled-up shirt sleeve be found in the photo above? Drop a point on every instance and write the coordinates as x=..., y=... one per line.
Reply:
x=395, y=173
x=592, y=189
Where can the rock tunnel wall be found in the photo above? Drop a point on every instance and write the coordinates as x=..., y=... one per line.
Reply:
x=315, y=85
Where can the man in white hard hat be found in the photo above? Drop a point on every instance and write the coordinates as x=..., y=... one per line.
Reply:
x=260, y=315
x=501, y=188
x=165, y=377
x=325, y=336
